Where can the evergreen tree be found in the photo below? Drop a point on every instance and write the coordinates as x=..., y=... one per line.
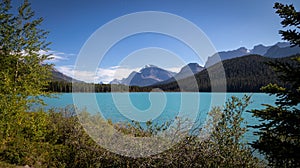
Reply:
x=280, y=128
x=290, y=18
x=23, y=74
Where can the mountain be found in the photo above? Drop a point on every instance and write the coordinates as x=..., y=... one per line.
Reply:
x=116, y=81
x=186, y=71
x=189, y=70
x=260, y=49
x=243, y=74
x=148, y=75
x=124, y=81
x=283, y=44
x=60, y=77
x=224, y=55
x=279, y=50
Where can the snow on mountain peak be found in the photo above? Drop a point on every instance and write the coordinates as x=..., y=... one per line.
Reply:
x=150, y=66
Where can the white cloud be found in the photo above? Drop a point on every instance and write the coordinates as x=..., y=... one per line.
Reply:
x=120, y=72
x=101, y=75
x=104, y=75
x=56, y=56
x=80, y=75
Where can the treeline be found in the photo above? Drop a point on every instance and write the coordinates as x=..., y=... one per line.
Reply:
x=67, y=87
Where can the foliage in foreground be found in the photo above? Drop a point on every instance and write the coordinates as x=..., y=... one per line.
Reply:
x=57, y=139
x=279, y=130
x=23, y=76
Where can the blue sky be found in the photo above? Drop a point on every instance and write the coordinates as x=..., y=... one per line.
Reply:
x=228, y=24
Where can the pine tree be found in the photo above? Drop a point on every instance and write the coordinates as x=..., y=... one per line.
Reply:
x=279, y=132
x=23, y=74
x=290, y=18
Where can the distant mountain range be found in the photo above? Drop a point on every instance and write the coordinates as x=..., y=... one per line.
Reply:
x=148, y=75
x=236, y=63
x=279, y=50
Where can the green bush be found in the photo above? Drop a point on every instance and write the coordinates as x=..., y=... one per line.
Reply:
x=57, y=139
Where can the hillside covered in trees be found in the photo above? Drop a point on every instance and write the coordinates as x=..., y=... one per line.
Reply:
x=243, y=74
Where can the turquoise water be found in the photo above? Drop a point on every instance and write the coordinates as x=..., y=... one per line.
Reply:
x=158, y=107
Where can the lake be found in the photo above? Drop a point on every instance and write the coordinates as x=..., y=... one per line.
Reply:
x=156, y=106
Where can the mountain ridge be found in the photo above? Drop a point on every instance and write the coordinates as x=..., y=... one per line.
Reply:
x=278, y=50
x=57, y=76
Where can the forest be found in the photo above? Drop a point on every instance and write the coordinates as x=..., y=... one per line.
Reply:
x=67, y=87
